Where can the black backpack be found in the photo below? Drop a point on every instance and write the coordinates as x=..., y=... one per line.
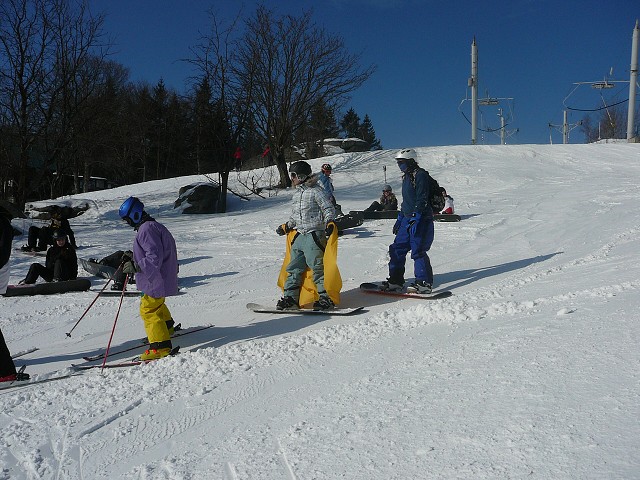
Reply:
x=436, y=200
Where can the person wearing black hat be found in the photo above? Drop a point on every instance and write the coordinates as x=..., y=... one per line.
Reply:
x=61, y=263
x=7, y=367
x=312, y=216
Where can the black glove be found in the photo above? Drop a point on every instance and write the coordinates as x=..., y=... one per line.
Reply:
x=283, y=229
x=126, y=256
x=130, y=267
x=329, y=229
x=396, y=226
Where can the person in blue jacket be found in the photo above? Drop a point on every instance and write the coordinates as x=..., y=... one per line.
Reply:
x=154, y=261
x=413, y=228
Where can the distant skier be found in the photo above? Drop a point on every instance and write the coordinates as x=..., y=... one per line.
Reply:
x=324, y=180
x=8, y=371
x=60, y=265
x=413, y=228
x=154, y=261
x=312, y=217
x=237, y=159
x=388, y=201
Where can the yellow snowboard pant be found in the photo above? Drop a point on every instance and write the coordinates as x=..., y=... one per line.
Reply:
x=155, y=314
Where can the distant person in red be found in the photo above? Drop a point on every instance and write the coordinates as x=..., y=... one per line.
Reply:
x=237, y=156
x=266, y=154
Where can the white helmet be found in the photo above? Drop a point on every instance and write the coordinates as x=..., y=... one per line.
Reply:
x=407, y=154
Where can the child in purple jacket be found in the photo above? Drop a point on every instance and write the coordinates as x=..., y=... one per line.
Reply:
x=154, y=261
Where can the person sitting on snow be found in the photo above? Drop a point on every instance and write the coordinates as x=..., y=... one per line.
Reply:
x=448, y=203
x=388, y=201
x=60, y=265
x=39, y=238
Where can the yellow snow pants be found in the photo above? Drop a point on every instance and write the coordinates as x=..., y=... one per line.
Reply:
x=155, y=314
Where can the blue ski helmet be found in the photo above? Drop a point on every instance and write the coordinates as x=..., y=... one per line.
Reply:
x=131, y=211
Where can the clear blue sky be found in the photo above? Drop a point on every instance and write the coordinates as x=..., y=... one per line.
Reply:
x=529, y=50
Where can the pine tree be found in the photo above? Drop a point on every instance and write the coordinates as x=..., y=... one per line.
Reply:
x=350, y=124
x=368, y=134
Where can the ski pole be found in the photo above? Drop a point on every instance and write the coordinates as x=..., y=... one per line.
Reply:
x=106, y=353
x=94, y=301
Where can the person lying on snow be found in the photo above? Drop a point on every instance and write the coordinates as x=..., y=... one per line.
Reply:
x=115, y=260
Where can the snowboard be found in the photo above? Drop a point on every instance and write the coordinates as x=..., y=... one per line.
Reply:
x=350, y=220
x=49, y=288
x=40, y=253
x=303, y=311
x=380, y=215
x=446, y=217
x=97, y=269
x=371, y=287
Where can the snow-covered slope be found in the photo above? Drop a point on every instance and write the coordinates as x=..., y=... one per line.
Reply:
x=529, y=371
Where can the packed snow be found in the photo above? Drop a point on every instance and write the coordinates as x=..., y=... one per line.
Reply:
x=530, y=370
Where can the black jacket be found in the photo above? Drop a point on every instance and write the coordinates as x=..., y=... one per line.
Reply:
x=6, y=238
x=65, y=254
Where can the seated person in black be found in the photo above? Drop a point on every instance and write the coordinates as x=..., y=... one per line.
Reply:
x=41, y=237
x=388, y=201
x=61, y=263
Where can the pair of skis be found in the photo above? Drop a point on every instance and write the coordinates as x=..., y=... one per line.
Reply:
x=143, y=342
x=128, y=363
x=78, y=369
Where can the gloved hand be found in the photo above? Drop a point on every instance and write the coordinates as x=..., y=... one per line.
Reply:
x=396, y=226
x=283, y=229
x=329, y=229
x=126, y=256
x=130, y=267
x=413, y=222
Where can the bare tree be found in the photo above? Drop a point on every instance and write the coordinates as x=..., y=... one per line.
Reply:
x=289, y=65
x=43, y=47
x=215, y=58
x=610, y=122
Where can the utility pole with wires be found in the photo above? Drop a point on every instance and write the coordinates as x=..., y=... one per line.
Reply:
x=607, y=84
x=566, y=128
x=633, y=82
x=503, y=128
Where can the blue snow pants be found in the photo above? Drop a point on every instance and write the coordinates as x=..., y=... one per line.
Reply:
x=419, y=244
x=307, y=250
